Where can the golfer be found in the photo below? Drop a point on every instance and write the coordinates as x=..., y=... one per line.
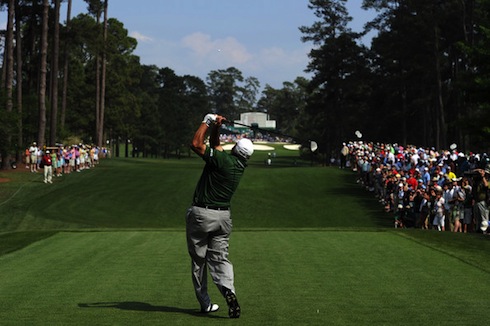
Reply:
x=208, y=220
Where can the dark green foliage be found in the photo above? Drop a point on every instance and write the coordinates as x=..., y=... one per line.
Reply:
x=424, y=79
x=339, y=87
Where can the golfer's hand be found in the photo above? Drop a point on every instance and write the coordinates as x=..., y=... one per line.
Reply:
x=220, y=120
x=209, y=119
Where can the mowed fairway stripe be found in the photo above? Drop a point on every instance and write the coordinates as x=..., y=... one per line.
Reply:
x=282, y=278
x=51, y=281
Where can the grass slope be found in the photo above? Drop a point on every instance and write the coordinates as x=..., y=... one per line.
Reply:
x=128, y=193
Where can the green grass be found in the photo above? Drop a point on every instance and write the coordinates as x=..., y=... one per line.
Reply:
x=129, y=193
x=282, y=277
x=309, y=247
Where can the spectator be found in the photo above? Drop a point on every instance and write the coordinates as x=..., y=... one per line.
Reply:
x=399, y=217
x=47, y=165
x=344, y=152
x=457, y=213
x=450, y=174
x=426, y=176
x=439, y=216
x=33, y=156
x=467, y=206
x=448, y=195
x=72, y=161
x=27, y=158
x=424, y=209
x=480, y=197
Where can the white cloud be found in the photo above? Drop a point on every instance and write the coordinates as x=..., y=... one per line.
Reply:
x=140, y=37
x=198, y=54
x=228, y=50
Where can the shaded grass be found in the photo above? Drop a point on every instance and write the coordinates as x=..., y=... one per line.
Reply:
x=13, y=241
x=472, y=249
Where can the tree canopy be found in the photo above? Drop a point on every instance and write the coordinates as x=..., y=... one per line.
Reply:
x=424, y=79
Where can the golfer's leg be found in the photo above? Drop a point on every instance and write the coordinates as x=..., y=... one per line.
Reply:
x=220, y=267
x=197, y=247
x=200, y=282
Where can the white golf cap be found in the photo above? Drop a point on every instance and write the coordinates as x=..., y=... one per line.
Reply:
x=244, y=148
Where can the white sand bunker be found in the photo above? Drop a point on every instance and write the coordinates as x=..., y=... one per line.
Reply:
x=257, y=147
x=292, y=147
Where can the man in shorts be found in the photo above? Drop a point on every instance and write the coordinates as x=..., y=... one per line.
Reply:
x=33, y=156
x=208, y=220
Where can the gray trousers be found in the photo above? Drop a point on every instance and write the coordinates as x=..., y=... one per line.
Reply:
x=208, y=232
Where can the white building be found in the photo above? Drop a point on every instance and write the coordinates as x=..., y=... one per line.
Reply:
x=259, y=118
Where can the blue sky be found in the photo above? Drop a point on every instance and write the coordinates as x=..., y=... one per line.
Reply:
x=259, y=37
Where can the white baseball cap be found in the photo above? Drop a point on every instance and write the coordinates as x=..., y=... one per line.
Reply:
x=244, y=148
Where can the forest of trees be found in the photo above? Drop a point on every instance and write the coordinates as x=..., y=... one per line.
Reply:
x=424, y=80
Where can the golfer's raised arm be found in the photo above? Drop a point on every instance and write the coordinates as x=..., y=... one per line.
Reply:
x=198, y=145
x=214, y=140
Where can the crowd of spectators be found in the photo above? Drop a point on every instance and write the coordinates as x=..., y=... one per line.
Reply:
x=63, y=159
x=424, y=188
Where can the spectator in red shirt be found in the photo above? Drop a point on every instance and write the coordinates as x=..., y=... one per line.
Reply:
x=48, y=169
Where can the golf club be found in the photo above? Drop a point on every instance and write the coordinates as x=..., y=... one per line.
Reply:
x=312, y=144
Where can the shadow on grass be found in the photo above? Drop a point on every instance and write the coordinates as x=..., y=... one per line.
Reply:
x=142, y=306
x=373, y=210
x=13, y=241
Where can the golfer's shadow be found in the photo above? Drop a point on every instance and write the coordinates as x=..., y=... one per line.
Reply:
x=142, y=306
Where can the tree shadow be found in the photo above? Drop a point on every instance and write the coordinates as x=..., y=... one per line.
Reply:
x=142, y=306
x=373, y=210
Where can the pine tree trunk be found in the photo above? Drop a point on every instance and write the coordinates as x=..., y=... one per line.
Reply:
x=42, y=78
x=103, y=79
x=441, y=137
x=65, y=71
x=18, y=45
x=54, y=74
x=9, y=78
x=97, y=90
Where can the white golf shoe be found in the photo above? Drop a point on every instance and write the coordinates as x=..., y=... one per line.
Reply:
x=212, y=308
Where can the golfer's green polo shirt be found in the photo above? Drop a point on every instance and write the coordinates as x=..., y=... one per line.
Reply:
x=219, y=179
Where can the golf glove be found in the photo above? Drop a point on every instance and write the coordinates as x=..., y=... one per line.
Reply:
x=209, y=119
